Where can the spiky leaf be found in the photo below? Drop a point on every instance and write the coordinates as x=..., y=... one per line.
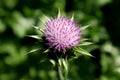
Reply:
x=52, y=61
x=34, y=36
x=85, y=27
x=82, y=51
x=72, y=18
x=34, y=50
x=85, y=43
x=44, y=19
x=64, y=64
x=84, y=39
x=38, y=28
x=47, y=50
x=59, y=13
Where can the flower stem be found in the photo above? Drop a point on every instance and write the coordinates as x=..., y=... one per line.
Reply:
x=60, y=74
x=66, y=68
x=62, y=68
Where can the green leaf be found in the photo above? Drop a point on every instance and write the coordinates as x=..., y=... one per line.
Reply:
x=34, y=50
x=72, y=18
x=85, y=27
x=34, y=36
x=59, y=13
x=47, y=50
x=38, y=28
x=65, y=64
x=59, y=61
x=52, y=61
x=85, y=43
x=82, y=51
x=84, y=39
x=44, y=19
x=77, y=54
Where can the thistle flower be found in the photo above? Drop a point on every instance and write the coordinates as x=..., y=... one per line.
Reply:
x=62, y=34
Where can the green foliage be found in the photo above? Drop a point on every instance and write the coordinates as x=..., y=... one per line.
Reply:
x=17, y=18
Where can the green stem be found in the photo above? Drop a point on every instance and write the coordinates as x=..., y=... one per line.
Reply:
x=59, y=69
x=66, y=69
x=60, y=75
x=62, y=68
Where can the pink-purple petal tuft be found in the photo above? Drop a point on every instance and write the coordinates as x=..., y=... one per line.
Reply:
x=62, y=34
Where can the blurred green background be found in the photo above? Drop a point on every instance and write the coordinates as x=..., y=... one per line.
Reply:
x=17, y=18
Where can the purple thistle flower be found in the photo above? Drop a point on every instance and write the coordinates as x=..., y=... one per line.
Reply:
x=62, y=34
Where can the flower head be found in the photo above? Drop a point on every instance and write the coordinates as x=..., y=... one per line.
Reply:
x=62, y=34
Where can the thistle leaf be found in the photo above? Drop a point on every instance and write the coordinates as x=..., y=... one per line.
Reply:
x=59, y=61
x=52, y=61
x=84, y=39
x=34, y=36
x=59, y=13
x=65, y=64
x=44, y=19
x=82, y=51
x=34, y=50
x=38, y=28
x=76, y=55
x=85, y=27
x=85, y=43
x=47, y=50
x=72, y=18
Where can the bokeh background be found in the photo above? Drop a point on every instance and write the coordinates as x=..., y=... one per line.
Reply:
x=17, y=18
